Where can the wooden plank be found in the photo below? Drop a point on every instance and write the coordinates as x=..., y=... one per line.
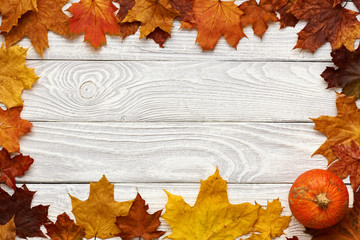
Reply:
x=57, y=196
x=170, y=152
x=177, y=91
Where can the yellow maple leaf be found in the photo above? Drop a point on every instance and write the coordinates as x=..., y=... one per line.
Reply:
x=152, y=14
x=341, y=129
x=8, y=231
x=212, y=217
x=98, y=213
x=270, y=224
x=11, y=11
x=14, y=75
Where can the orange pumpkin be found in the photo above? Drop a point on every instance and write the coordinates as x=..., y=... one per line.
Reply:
x=318, y=199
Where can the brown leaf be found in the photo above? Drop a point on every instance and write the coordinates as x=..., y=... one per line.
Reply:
x=139, y=223
x=64, y=229
x=8, y=231
x=287, y=19
x=126, y=28
x=185, y=8
x=341, y=129
x=293, y=238
x=159, y=36
x=11, y=127
x=328, y=21
x=11, y=11
x=12, y=167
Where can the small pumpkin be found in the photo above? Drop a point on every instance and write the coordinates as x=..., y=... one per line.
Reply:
x=318, y=199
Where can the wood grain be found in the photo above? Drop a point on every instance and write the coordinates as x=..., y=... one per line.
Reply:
x=170, y=152
x=178, y=91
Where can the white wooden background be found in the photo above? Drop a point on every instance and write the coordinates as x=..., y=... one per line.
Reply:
x=152, y=118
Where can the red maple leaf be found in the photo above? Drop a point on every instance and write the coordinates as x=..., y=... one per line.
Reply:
x=64, y=229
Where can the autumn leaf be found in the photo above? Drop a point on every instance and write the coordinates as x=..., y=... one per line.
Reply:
x=8, y=230
x=258, y=15
x=64, y=229
x=347, y=74
x=12, y=167
x=11, y=11
x=287, y=19
x=35, y=25
x=346, y=229
x=28, y=220
x=342, y=129
x=126, y=28
x=212, y=217
x=98, y=213
x=11, y=127
x=185, y=8
x=293, y=238
x=95, y=18
x=14, y=75
x=270, y=223
x=139, y=223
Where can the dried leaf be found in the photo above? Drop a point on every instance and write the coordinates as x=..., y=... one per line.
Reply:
x=342, y=129
x=212, y=217
x=293, y=238
x=64, y=229
x=328, y=21
x=126, y=28
x=12, y=167
x=11, y=127
x=28, y=220
x=35, y=25
x=139, y=223
x=14, y=75
x=185, y=8
x=11, y=11
x=98, y=213
x=287, y=19
x=8, y=231
x=95, y=18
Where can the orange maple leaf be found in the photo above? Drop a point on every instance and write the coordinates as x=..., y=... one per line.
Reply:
x=11, y=127
x=328, y=21
x=95, y=18
x=11, y=11
x=35, y=25
x=342, y=129
x=215, y=18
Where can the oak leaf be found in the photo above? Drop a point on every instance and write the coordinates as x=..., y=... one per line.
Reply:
x=11, y=11
x=12, y=167
x=11, y=127
x=152, y=14
x=348, y=163
x=14, y=75
x=328, y=21
x=8, y=231
x=347, y=74
x=95, y=18
x=64, y=229
x=28, y=220
x=212, y=217
x=270, y=223
x=98, y=213
x=35, y=24
x=342, y=129
x=287, y=19
x=347, y=229
x=139, y=223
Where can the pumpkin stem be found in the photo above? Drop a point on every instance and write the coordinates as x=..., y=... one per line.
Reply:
x=322, y=200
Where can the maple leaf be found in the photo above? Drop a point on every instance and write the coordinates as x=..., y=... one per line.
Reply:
x=95, y=18
x=11, y=11
x=28, y=220
x=126, y=28
x=328, y=21
x=287, y=19
x=11, y=127
x=185, y=8
x=98, y=213
x=293, y=238
x=258, y=15
x=270, y=224
x=12, y=167
x=152, y=14
x=341, y=129
x=212, y=217
x=14, y=75
x=214, y=18
x=348, y=163
x=64, y=229
x=8, y=231
x=347, y=75
x=139, y=223
x=346, y=229
x=35, y=25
